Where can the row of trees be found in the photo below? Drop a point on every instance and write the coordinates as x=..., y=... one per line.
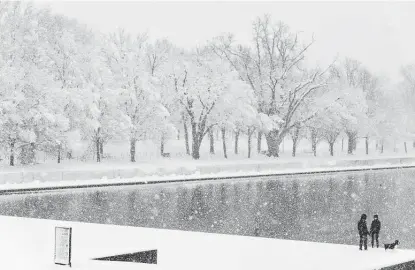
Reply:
x=61, y=82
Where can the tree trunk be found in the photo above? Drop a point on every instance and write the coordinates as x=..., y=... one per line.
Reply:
x=314, y=141
x=294, y=136
x=59, y=153
x=406, y=149
x=195, y=150
x=101, y=148
x=294, y=152
x=186, y=137
x=236, y=142
x=224, y=142
x=351, y=145
x=211, y=141
x=97, y=142
x=259, y=142
x=273, y=141
x=162, y=145
x=249, y=142
x=12, y=153
x=331, y=147
x=178, y=134
x=367, y=145
x=195, y=142
x=132, y=150
x=32, y=153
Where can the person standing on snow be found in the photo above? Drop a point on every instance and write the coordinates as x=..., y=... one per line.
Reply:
x=374, y=230
x=363, y=231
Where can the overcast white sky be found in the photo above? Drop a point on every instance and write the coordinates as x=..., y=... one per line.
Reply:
x=381, y=35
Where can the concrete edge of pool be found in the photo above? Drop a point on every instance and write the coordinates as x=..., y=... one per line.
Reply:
x=29, y=244
x=50, y=186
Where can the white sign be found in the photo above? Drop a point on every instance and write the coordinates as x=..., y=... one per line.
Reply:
x=63, y=245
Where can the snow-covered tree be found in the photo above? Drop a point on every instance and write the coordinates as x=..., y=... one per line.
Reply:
x=246, y=120
x=349, y=85
x=140, y=99
x=274, y=68
x=328, y=124
x=393, y=115
x=206, y=88
x=405, y=100
x=235, y=112
x=31, y=110
x=296, y=133
x=68, y=45
x=158, y=55
x=105, y=118
x=371, y=87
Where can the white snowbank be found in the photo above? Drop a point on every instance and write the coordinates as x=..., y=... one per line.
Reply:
x=182, y=172
x=28, y=244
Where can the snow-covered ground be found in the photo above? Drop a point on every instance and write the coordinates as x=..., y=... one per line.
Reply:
x=28, y=244
x=76, y=172
x=183, y=175
x=186, y=170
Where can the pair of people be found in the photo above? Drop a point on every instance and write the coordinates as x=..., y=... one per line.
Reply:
x=363, y=231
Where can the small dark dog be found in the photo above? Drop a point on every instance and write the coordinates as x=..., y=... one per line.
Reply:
x=391, y=246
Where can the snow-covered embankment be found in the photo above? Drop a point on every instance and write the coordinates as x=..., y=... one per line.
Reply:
x=174, y=171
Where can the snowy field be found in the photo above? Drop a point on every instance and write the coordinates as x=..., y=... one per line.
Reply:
x=28, y=244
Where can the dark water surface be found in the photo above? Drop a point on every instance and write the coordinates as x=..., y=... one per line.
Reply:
x=322, y=207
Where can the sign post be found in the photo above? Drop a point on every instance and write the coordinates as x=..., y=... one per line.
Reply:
x=63, y=238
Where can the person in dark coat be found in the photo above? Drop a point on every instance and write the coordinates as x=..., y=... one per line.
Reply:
x=374, y=230
x=363, y=231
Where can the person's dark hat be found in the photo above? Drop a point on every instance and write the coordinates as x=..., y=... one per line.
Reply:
x=375, y=216
x=363, y=216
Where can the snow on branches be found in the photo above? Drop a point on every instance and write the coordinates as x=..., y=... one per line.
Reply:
x=209, y=93
x=61, y=82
